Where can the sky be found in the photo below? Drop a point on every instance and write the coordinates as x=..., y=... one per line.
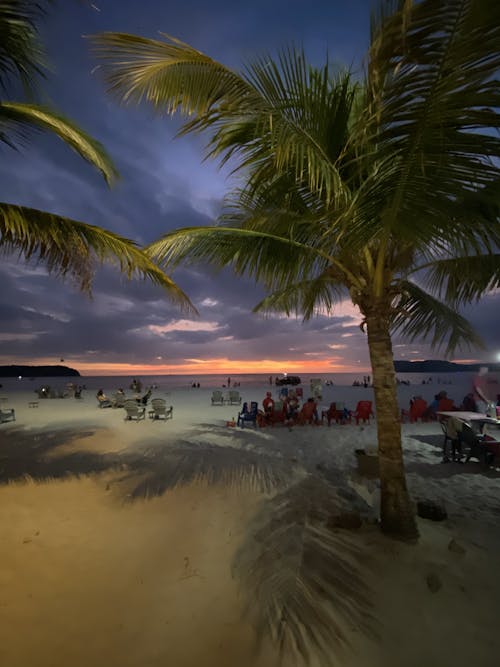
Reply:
x=127, y=327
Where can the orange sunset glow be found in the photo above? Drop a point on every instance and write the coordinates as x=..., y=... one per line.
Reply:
x=210, y=366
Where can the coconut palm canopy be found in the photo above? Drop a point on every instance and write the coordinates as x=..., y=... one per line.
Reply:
x=386, y=188
x=358, y=162
x=65, y=246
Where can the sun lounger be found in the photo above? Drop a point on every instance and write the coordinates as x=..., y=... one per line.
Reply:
x=119, y=400
x=7, y=415
x=134, y=411
x=160, y=410
x=103, y=402
x=233, y=398
x=217, y=397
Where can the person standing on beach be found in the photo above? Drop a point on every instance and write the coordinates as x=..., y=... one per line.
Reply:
x=228, y=382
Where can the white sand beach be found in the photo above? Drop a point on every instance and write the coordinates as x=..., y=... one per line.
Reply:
x=93, y=572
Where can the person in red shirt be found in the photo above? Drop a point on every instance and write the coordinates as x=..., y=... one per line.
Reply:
x=268, y=403
x=309, y=412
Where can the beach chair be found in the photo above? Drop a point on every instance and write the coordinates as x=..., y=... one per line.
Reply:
x=119, y=400
x=248, y=415
x=134, y=411
x=445, y=405
x=278, y=414
x=308, y=413
x=475, y=446
x=7, y=415
x=233, y=397
x=217, y=397
x=363, y=411
x=451, y=429
x=160, y=410
x=418, y=410
x=334, y=414
x=103, y=402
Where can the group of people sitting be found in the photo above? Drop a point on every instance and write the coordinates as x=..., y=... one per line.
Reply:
x=119, y=398
x=442, y=403
x=288, y=410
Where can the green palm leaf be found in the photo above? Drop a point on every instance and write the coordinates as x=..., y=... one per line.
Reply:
x=173, y=76
x=433, y=69
x=170, y=75
x=419, y=315
x=464, y=279
x=247, y=251
x=304, y=298
x=70, y=247
x=18, y=120
x=21, y=53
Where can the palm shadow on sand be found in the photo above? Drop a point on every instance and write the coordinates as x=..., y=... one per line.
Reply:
x=449, y=469
x=303, y=577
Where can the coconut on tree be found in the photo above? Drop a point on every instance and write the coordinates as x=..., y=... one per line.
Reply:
x=383, y=188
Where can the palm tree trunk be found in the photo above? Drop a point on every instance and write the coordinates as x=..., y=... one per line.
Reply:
x=396, y=510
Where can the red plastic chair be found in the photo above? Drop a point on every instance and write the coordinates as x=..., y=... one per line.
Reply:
x=446, y=405
x=308, y=414
x=418, y=410
x=332, y=414
x=278, y=415
x=363, y=411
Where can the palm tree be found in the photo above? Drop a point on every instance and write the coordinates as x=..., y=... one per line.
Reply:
x=66, y=246
x=385, y=189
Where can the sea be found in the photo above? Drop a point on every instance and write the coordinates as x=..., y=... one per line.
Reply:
x=168, y=383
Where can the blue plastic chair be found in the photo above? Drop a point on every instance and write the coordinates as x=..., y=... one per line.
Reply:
x=248, y=416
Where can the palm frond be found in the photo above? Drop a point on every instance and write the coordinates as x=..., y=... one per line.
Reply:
x=169, y=74
x=305, y=298
x=18, y=120
x=70, y=247
x=302, y=112
x=462, y=280
x=419, y=315
x=21, y=54
x=433, y=69
x=249, y=252
x=305, y=120
x=301, y=116
x=304, y=582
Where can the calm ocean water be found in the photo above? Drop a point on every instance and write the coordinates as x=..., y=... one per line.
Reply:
x=172, y=382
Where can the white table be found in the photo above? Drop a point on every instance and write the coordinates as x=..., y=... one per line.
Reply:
x=470, y=416
x=477, y=420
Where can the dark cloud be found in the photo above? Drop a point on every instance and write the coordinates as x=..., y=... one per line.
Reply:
x=164, y=184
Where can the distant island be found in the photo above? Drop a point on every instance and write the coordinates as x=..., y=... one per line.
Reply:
x=440, y=366
x=37, y=371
